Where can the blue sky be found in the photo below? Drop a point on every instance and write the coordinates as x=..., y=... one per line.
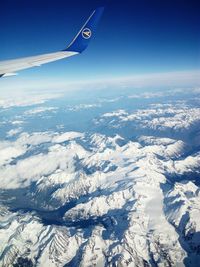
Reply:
x=134, y=37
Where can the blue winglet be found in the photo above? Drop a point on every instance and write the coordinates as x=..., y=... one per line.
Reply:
x=82, y=39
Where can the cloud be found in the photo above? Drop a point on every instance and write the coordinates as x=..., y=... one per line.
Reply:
x=93, y=105
x=83, y=106
x=60, y=138
x=40, y=110
x=147, y=95
x=118, y=113
x=8, y=151
x=176, y=78
x=25, y=99
x=13, y=132
x=17, y=122
x=111, y=100
x=31, y=168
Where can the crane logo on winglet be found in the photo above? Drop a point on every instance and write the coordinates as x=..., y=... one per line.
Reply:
x=86, y=33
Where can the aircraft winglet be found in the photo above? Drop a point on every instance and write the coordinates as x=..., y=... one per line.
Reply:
x=82, y=39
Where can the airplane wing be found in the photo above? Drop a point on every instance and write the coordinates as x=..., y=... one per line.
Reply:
x=77, y=46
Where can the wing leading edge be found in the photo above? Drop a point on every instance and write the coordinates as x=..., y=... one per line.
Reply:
x=77, y=46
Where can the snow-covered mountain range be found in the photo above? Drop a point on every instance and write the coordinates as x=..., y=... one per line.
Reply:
x=125, y=193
